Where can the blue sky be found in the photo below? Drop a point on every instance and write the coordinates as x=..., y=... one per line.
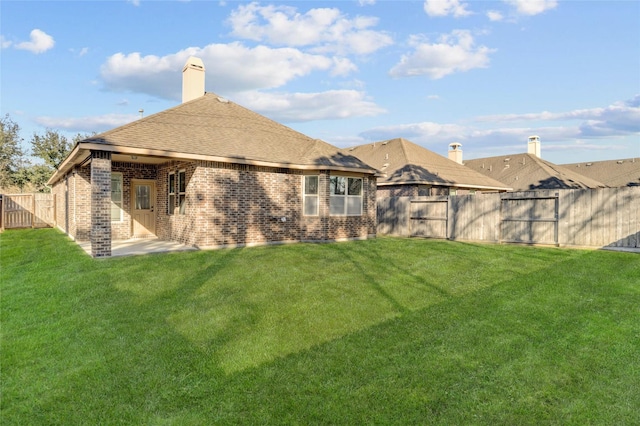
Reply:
x=487, y=74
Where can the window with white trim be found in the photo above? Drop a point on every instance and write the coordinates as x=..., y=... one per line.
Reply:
x=310, y=197
x=345, y=196
x=116, y=197
x=171, y=196
x=182, y=191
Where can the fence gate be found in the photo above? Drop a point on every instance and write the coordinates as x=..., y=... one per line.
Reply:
x=428, y=218
x=28, y=210
x=531, y=220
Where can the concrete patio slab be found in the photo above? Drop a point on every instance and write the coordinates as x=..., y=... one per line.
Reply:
x=139, y=246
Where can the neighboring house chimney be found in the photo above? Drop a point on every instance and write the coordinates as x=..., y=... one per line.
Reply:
x=455, y=152
x=192, y=79
x=534, y=146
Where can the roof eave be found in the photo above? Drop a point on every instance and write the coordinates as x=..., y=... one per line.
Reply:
x=72, y=159
x=448, y=184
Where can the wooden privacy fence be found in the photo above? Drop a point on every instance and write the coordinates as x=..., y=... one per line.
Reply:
x=27, y=211
x=608, y=217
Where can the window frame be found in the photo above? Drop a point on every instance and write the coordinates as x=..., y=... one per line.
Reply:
x=182, y=192
x=346, y=197
x=309, y=196
x=115, y=204
x=171, y=193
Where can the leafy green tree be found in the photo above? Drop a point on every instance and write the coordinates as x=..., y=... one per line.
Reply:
x=52, y=147
x=37, y=176
x=11, y=153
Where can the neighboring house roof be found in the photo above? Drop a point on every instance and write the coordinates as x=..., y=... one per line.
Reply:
x=404, y=162
x=525, y=172
x=215, y=129
x=614, y=173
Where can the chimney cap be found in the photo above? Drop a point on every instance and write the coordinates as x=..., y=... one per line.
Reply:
x=455, y=145
x=193, y=62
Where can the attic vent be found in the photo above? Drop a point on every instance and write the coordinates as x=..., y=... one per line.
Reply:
x=223, y=100
x=386, y=156
x=385, y=165
x=385, y=142
x=620, y=161
x=506, y=160
x=589, y=164
x=506, y=166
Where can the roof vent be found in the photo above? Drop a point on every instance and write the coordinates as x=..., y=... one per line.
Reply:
x=620, y=161
x=589, y=164
x=223, y=100
x=506, y=160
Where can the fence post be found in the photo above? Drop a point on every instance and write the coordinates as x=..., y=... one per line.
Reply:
x=33, y=211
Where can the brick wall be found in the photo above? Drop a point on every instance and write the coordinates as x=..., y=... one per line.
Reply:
x=233, y=204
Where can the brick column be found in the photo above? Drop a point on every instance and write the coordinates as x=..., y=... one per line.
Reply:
x=100, y=204
x=324, y=194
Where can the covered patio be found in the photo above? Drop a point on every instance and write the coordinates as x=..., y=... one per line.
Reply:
x=139, y=246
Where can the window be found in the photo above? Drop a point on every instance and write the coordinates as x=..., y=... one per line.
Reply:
x=182, y=189
x=346, y=196
x=116, y=197
x=310, y=200
x=172, y=194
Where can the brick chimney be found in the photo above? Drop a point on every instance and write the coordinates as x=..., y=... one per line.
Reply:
x=455, y=152
x=192, y=79
x=534, y=146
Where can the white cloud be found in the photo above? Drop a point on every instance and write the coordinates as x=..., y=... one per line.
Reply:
x=425, y=132
x=366, y=2
x=87, y=124
x=39, y=42
x=4, y=43
x=445, y=8
x=321, y=30
x=229, y=68
x=296, y=107
x=617, y=122
x=455, y=52
x=532, y=7
x=494, y=15
x=616, y=119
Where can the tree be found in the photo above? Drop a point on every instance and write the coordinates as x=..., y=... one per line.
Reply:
x=52, y=147
x=11, y=153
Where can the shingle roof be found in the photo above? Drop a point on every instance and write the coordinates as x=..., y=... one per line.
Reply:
x=211, y=126
x=614, y=173
x=404, y=162
x=525, y=172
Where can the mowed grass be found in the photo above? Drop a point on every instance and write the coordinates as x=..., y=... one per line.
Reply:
x=385, y=331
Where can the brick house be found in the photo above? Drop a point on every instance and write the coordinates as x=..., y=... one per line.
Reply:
x=410, y=170
x=209, y=173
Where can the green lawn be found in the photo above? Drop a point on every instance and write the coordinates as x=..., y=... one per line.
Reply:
x=385, y=331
